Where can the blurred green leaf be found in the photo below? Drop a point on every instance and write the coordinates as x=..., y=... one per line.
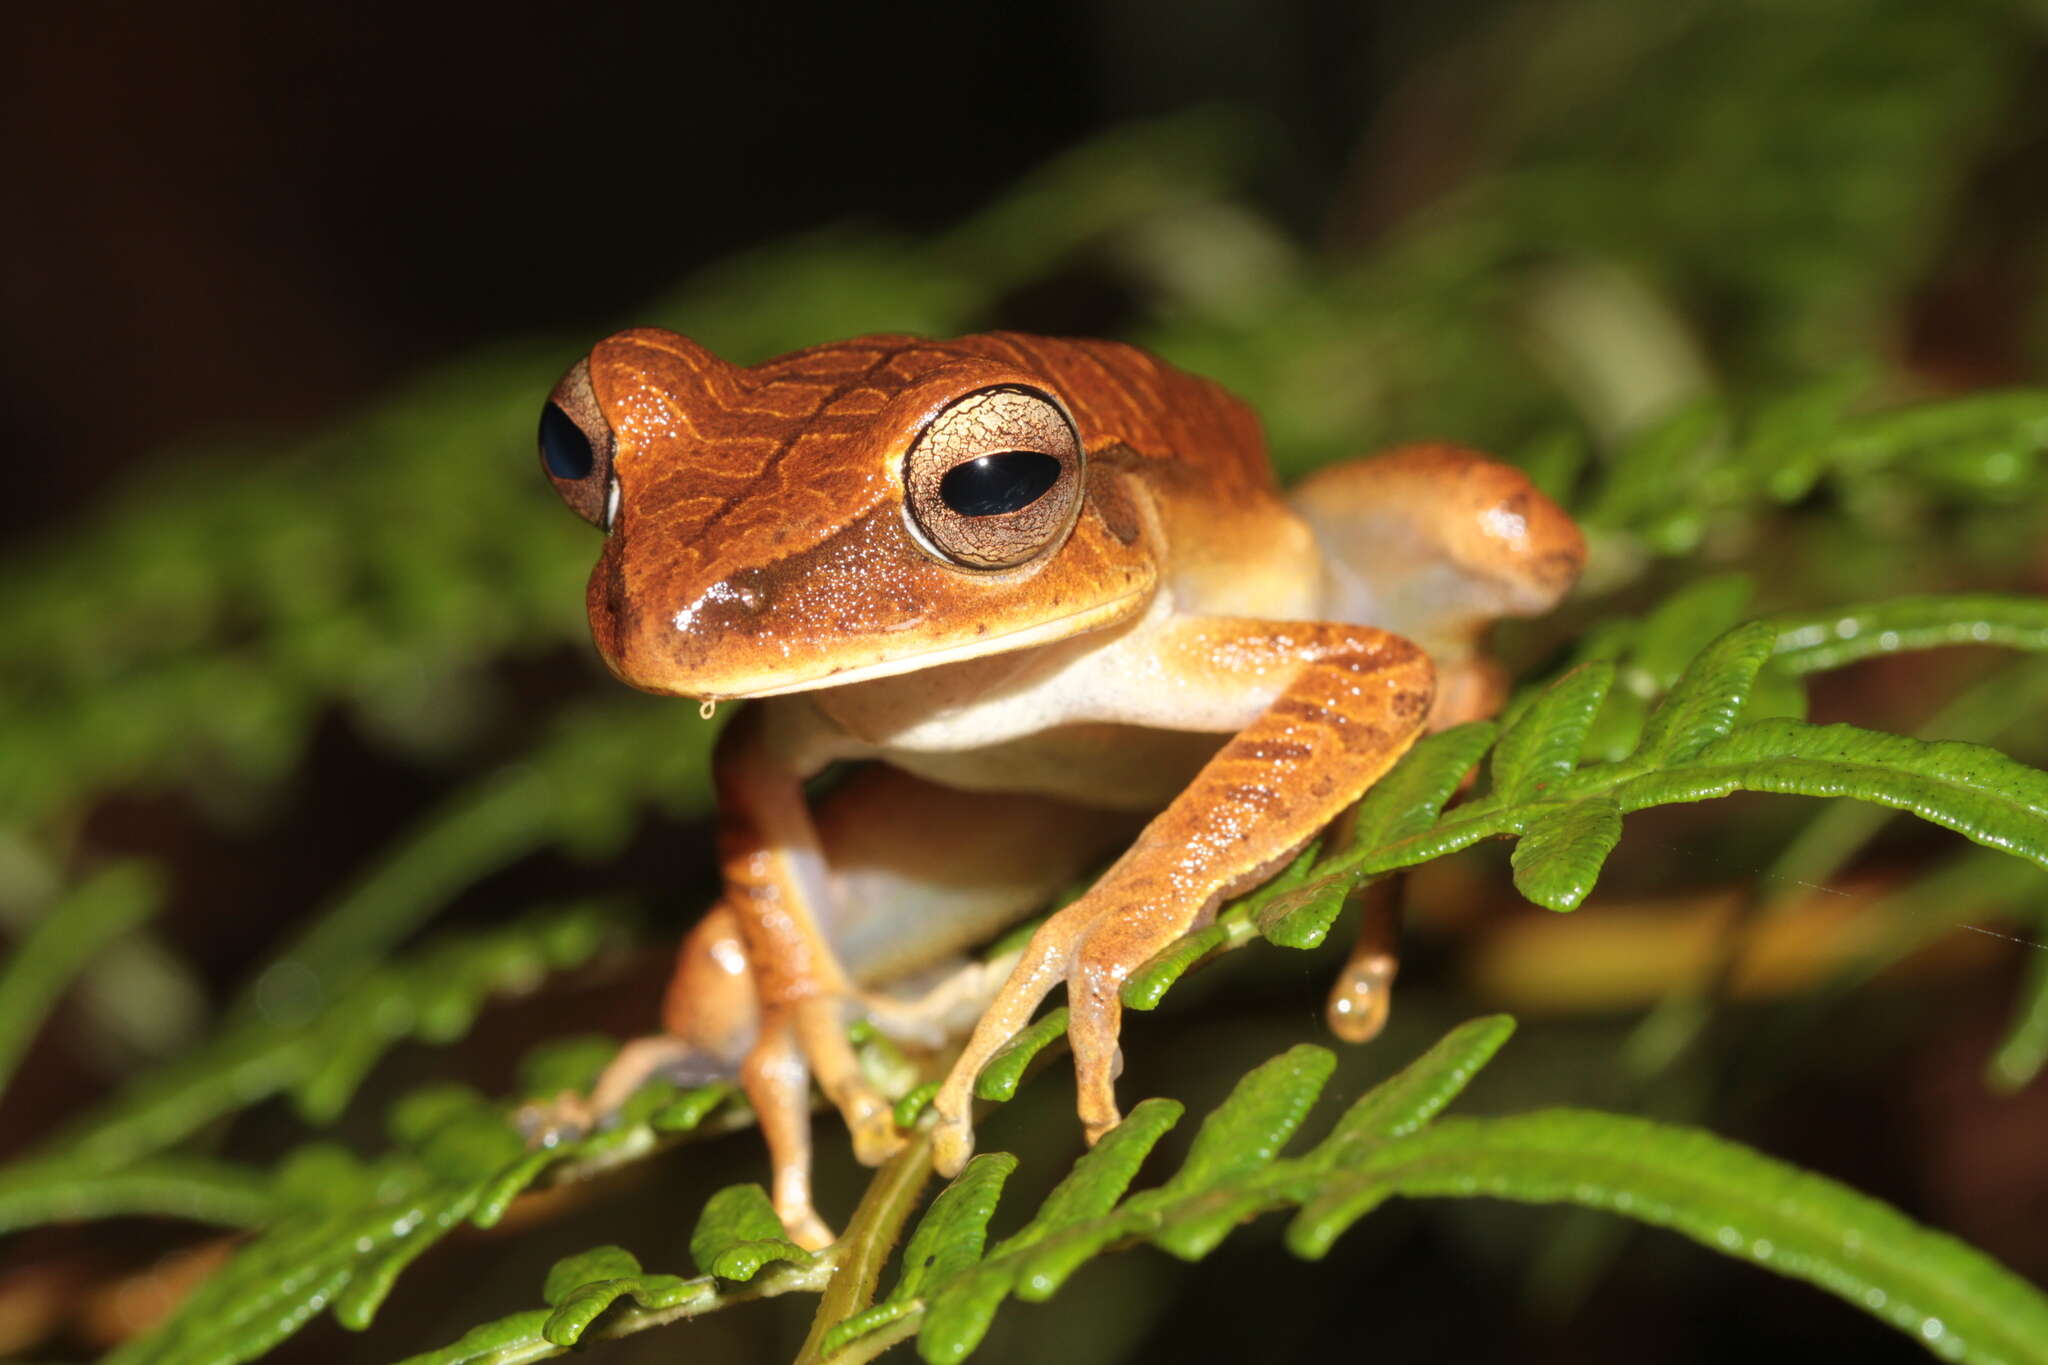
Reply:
x=434, y=995
x=95, y=913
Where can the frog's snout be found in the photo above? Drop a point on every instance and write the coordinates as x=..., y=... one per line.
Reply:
x=678, y=644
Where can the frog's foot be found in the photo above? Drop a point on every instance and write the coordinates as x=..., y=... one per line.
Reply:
x=778, y=1085
x=797, y=1039
x=944, y=1010
x=814, y=1029
x=569, y=1116
x=550, y=1123
x=1092, y=945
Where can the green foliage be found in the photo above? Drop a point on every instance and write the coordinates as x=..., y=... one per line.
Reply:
x=738, y=1233
x=98, y=911
x=1543, y=747
x=1817, y=143
x=951, y=1281
x=582, y=785
x=1691, y=471
x=349, y=1228
x=583, y=1288
x=2024, y=1052
x=195, y=1188
x=1672, y=281
x=1691, y=747
x=1812, y=641
x=320, y=1059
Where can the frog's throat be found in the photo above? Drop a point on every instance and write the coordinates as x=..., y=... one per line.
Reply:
x=1096, y=617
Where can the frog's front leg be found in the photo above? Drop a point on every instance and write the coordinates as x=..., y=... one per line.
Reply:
x=1321, y=712
x=1438, y=543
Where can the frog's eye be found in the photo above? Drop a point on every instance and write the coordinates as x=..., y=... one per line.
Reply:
x=994, y=479
x=576, y=449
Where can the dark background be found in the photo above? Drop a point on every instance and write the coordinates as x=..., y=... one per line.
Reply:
x=230, y=215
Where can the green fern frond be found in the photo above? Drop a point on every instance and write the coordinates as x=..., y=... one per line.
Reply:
x=1687, y=744
x=951, y=1281
x=1668, y=483
x=353, y=1227
x=738, y=1233
x=1691, y=749
x=1726, y=1197
x=96, y=912
x=2023, y=1054
x=433, y=995
x=1559, y=791
x=1810, y=642
x=194, y=1188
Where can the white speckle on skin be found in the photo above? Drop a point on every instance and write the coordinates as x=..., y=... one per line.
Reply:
x=1502, y=524
x=714, y=595
x=729, y=956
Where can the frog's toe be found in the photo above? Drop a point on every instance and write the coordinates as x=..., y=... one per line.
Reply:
x=1363, y=994
x=550, y=1123
x=819, y=1024
x=875, y=1137
x=942, y=1012
x=1361, y=1000
x=806, y=1229
x=952, y=1144
x=570, y=1116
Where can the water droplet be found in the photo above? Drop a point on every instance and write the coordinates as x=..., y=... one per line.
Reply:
x=706, y=710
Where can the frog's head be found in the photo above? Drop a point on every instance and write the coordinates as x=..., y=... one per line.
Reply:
x=847, y=512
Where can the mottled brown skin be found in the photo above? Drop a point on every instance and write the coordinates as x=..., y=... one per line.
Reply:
x=1153, y=641
x=784, y=524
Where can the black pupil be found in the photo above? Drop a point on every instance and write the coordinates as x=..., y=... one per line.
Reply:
x=563, y=446
x=995, y=484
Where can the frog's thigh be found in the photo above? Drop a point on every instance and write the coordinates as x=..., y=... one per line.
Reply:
x=920, y=871
x=1436, y=542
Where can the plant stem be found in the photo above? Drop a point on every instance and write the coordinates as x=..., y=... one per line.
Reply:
x=891, y=1197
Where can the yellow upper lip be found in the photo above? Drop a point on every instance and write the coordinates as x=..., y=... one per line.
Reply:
x=928, y=658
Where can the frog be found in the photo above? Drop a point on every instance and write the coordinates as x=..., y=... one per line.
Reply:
x=1045, y=607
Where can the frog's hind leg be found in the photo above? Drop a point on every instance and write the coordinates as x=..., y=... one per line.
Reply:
x=709, y=1020
x=1436, y=543
x=921, y=873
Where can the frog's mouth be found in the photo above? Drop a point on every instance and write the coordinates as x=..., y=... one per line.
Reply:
x=1097, y=616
